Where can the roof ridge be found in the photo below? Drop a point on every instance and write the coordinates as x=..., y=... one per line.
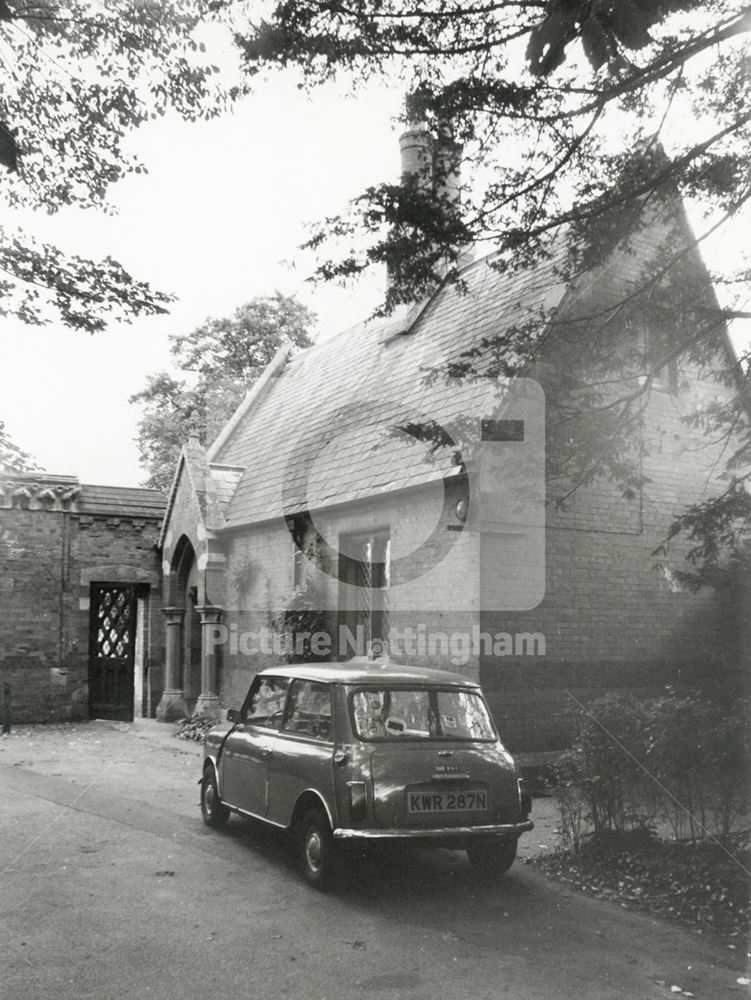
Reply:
x=110, y=486
x=254, y=393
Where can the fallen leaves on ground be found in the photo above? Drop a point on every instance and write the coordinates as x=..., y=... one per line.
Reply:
x=702, y=884
x=194, y=728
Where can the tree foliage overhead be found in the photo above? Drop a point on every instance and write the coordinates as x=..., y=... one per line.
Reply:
x=13, y=458
x=534, y=92
x=225, y=357
x=75, y=80
x=573, y=118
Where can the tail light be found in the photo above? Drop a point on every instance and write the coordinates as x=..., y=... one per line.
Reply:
x=357, y=800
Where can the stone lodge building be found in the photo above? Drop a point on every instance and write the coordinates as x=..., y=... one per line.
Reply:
x=318, y=524
x=305, y=515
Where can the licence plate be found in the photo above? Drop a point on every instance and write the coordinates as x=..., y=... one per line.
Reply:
x=469, y=800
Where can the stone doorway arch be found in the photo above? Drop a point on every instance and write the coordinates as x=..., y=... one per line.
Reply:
x=190, y=681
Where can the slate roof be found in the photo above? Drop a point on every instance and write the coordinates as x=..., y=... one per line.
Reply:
x=318, y=434
x=222, y=482
x=121, y=501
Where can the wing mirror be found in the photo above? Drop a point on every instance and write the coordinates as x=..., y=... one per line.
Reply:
x=234, y=716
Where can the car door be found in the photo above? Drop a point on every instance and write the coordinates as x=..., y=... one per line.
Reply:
x=247, y=750
x=303, y=752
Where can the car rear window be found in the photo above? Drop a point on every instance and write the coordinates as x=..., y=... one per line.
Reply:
x=386, y=713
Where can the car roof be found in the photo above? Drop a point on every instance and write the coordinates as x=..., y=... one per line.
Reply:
x=369, y=672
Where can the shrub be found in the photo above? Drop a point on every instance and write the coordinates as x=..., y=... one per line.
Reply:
x=605, y=765
x=678, y=759
x=571, y=803
x=699, y=753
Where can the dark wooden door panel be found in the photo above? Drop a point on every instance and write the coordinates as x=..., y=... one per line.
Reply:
x=112, y=651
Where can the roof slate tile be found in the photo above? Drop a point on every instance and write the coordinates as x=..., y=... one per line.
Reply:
x=323, y=431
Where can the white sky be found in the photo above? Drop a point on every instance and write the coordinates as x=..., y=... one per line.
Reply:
x=217, y=221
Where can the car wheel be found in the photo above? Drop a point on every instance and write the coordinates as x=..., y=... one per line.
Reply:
x=492, y=859
x=316, y=849
x=215, y=813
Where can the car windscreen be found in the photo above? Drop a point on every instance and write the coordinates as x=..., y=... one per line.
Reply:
x=396, y=713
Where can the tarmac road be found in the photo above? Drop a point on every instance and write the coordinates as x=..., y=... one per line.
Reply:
x=113, y=888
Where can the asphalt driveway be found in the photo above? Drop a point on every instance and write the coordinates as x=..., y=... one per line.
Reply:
x=112, y=887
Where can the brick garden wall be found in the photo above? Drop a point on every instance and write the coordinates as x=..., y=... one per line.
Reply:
x=38, y=612
x=48, y=558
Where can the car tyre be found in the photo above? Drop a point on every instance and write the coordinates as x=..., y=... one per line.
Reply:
x=215, y=813
x=317, y=849
x=492, y=859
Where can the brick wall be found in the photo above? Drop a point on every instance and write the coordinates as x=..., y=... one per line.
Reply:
x=610, y=618
x=48, y=558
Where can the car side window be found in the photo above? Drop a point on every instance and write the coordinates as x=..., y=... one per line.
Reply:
x=264, y=705
x=309, y=711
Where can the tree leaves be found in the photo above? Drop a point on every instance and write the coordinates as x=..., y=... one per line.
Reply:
x=39, y=278
x=227, y=355
x=73, y=84
x=560, y=106
x=13, y=458
x=8, y=148
x=547, y=44
x=604, y=27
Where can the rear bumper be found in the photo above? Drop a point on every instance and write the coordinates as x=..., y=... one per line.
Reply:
x=507, y=831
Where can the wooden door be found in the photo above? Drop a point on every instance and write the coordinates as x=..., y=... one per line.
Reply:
x=112, y=650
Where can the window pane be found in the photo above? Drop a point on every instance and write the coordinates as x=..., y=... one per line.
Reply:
x=366, y=567
x=463, y=716
x=266, y=704
x=394, y=714
x=309, y=712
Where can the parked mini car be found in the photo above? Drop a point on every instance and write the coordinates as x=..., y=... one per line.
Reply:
x=344, y=753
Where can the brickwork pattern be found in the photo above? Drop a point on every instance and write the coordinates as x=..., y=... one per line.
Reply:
x=48, y=560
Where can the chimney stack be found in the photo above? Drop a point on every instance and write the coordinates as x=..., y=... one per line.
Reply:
x=447, y=165
x=436, y=163
x=416, y=148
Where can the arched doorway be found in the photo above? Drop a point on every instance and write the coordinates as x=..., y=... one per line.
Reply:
x=186, y=596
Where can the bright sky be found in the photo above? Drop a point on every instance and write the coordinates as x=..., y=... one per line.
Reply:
x=217, y=221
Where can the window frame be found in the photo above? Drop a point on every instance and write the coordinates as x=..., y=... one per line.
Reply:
x=253, y=689
x=422, y=740
x=665, y=378
x=348, y=565
x=287, y=712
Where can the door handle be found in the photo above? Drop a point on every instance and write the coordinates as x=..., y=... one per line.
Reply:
x=266, y=752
